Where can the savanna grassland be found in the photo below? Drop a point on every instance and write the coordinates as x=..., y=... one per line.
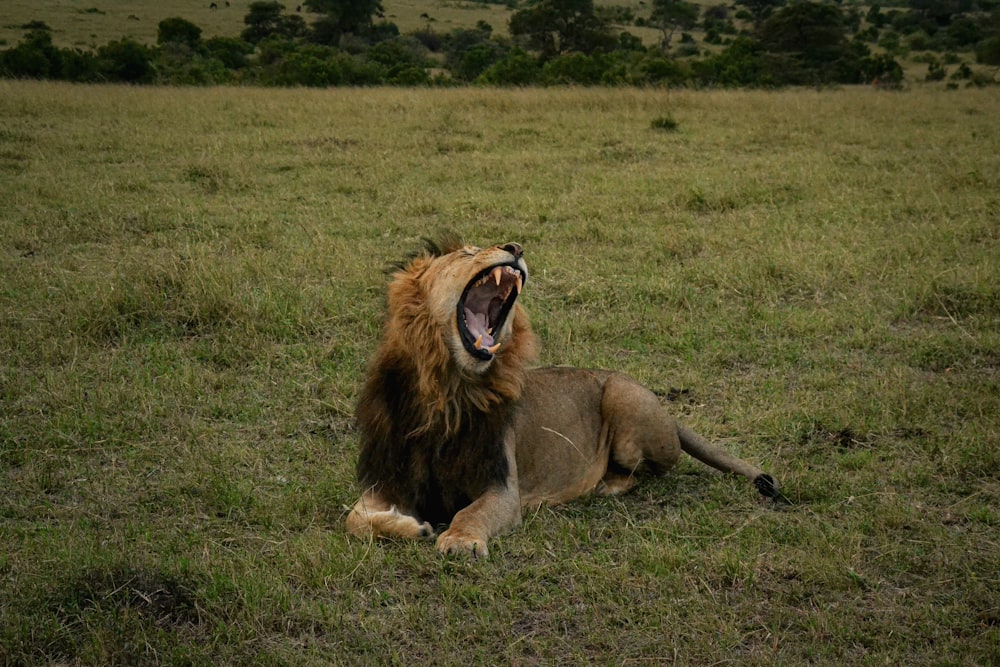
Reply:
x=81, y=23
x=191, y=284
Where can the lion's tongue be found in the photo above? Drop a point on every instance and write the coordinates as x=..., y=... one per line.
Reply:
x=476, y=323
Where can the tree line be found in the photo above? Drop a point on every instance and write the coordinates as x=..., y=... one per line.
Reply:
x=550, y=42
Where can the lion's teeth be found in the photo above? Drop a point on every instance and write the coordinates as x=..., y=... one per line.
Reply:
x=497, y=274
x=479, y=342
x=493, y=350
x=519, y=283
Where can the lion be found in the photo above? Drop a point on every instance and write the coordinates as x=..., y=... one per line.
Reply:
x=457, y=432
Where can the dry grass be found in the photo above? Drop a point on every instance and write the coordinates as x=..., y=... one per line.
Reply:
x=91, y=24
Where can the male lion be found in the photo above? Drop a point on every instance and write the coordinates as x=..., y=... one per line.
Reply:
x=456, y=430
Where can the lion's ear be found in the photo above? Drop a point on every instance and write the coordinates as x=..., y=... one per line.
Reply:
x=445, y=242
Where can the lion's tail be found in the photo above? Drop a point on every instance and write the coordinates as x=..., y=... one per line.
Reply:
x=709, y=454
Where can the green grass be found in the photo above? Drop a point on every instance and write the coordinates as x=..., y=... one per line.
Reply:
x=191, y=284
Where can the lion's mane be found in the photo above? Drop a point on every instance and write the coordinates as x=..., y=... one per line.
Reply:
x=431, y=434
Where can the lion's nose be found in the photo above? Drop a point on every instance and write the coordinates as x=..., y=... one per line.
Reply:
x=514, y=249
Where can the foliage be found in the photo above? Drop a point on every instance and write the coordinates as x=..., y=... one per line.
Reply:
x=760, y=10
x=469, y=63
x=404, y=61
x=266, y=18
x=672, y=15
x=570, y=41
x=882, y=69
x=35, y=57
x=808, y=44
x=517, y=68
x=233, y=53
x=126, y=60
x=665, y=123
x=988, y=51
x=344, y=17
x=742, y=63
x=178, y=31
x=554, y=27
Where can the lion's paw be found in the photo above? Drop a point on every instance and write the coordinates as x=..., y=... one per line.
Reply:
x=456, y=542
x=388, y=523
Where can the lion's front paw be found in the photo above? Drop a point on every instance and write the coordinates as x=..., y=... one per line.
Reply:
x=454, y=541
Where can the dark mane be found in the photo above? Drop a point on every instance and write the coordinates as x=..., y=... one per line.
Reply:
x=429, y=473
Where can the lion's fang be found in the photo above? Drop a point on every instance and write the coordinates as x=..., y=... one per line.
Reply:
x=493, y=350
x=479, y=342
x=497, y=274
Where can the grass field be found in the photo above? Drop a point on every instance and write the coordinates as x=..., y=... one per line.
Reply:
x=190, y=287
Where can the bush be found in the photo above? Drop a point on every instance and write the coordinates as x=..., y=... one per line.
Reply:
x=574, y=68
x=460, y=41
x=266, y=19
x=518, y=68
x=432, y=41
x=963, y=72
x=988, y=51
x=34, y=57
x=229, y=51
x=665, y=123
x=307, y=65
x=178, y=31
x=882, y=70
x=657, y=68
x=477, y=60
x=739, y=64
x=935, y=72
x=126, y=61
x=179, y=64
x=403, y=59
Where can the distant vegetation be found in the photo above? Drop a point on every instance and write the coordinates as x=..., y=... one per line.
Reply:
x=759, y=43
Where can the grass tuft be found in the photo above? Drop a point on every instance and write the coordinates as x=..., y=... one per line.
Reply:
x=665, y=123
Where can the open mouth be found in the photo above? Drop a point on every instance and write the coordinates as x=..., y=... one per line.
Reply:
x=484, y=307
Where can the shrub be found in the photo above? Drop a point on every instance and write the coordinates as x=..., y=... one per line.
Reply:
x=574, y=68
x=79, y=66
x=935, y=72
x=266, y=19
x=664, y=123
x=478, y=59
x=401, y=58
x=656, y=68
x=458, y=42
x=36, y=25
x=410, y=75
x=127, y=61
x=179, y=64
x=518, y=68
x=432, y=41
x=988, y=51
x=228, y=50
x=883, y=70
x=308, y=65
x=178, y=31
x=963, y=72
x=34, y=57
x=739, y=64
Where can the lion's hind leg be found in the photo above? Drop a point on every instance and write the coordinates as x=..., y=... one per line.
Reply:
x=639, y=432
x=372, y=516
